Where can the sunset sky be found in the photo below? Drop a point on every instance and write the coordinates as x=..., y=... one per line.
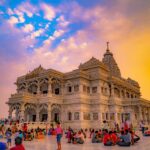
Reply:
x=61, y=34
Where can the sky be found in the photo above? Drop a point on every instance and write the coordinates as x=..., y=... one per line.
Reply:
x=61, y=34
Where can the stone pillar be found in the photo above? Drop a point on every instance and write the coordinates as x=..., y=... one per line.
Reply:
x=125, y=93
x=140, y=114
x=49, y=88
x=49, y=113
x=81, y=116
x=91, y=116
x=108, y=115
x=80, y=88
x=120, y=93
x=62, y=88
x=22, y=111
x=10, y=112
x=149, y=115
x=38, y=89
x=90, y=90
x=100, y=118
x=116, y=117
x=37, y=114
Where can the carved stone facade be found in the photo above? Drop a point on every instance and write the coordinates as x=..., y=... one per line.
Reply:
x=82, y=98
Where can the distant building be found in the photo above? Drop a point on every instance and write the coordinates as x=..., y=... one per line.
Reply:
x=82, y=98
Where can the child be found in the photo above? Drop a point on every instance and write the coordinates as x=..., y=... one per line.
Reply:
x=8, y=137
x=59, y=133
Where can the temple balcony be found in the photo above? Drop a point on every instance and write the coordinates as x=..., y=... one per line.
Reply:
x=22, y=96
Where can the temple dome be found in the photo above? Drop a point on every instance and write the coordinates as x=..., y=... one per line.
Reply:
x=110, y=62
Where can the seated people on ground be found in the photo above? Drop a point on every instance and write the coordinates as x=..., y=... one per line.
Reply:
x=96, y=138
x=107, y=138
x=114, y=137
x=79, y=138
x=40, y=134
x=125, y=139
x=28, y=137
x=147, y=133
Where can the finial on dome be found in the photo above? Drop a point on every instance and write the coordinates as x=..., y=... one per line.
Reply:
x=107, y=46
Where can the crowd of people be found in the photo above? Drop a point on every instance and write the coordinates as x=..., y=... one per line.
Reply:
x=121, y=136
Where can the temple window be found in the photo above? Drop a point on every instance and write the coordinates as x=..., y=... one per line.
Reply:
x=57, y=91
x=76, y=116
x=86, y=116
x=112, y=116
x=69, y=89
x=131, y=95
x=122, y=92
x=88, y=90
x=107, y=118
x=95, y=116
x=44, y=88
x=69, y=116
x=33, y=89
x=94, y=89
x=56, y=88
x=128, y=95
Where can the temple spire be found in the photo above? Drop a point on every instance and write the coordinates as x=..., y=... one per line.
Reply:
x=107, y=46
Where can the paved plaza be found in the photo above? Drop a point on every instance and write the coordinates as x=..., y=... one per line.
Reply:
x=49, y=143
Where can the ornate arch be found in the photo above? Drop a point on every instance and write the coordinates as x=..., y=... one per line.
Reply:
x=30, y=106
x=43, y=106
x=15, y=107
x=56, y=112
x=56, y=86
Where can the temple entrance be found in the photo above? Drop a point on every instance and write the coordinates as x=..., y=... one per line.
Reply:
x=30, y=115
x=43, y=115
x=34, y=118
x=56, y=115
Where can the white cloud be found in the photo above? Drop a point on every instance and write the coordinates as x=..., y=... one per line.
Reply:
x=49, y=11
x=27, y=8
x=13, y=20
x=21, y=19
x=37, y=33
x=28, y=28
x=10, y=11
x=62, y=22
x=58, y=33
x=18, y=12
